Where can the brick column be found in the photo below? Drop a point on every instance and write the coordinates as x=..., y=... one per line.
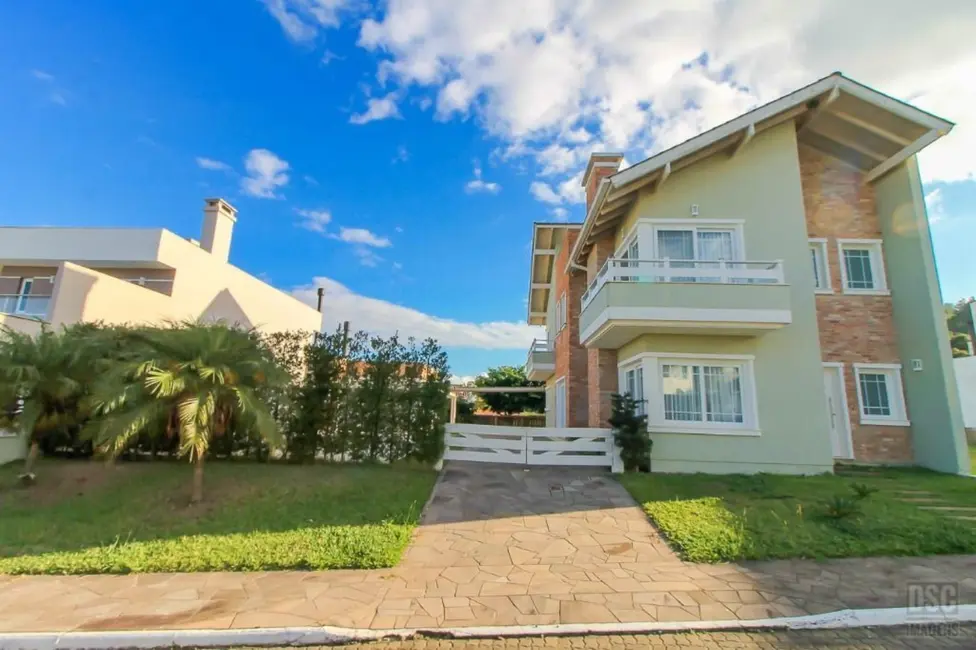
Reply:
x=570, y=356
x=601, y=365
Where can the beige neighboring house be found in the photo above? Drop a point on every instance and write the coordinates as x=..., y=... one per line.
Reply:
x=61, y=276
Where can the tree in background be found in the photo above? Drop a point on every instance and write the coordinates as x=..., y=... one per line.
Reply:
x=960, y=324
x=509, y=403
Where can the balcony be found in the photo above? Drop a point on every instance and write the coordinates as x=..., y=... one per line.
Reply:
x=541, y=362
x=629, y=298
x=28, y=306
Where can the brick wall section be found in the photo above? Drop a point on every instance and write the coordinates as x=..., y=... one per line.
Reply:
x=853, y=329
x=598, y=174
x=601, y=365
x=570, y=356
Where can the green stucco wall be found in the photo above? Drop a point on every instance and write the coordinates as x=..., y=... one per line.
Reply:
x=938, y=437
x=761, y=185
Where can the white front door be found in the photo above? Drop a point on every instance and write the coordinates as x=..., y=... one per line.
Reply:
x=837, y=416
x=561, y=403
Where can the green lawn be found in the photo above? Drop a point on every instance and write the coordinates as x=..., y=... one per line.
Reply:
x=84, y=518
x=709, y=518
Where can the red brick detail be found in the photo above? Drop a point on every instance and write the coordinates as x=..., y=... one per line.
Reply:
x=601, y=364
x=602, y=382
x=570, y=356
x=853, y=329
x=604, y=165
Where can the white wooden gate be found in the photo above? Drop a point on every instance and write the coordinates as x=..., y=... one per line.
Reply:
x=530, y=445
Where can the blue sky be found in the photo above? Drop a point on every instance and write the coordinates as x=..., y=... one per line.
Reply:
x=399, y=153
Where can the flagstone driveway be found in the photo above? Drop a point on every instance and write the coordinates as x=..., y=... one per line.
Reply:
x=498, y=545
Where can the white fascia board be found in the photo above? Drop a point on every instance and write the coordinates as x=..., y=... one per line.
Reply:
x=723, y=131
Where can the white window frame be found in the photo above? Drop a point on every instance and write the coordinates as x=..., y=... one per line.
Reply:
x=644, y=231
x=651, y=363
x=873, y=246
x=638, y=369
x=818, y=245
x=896, y=394
x=560, y=383
x=23, y=295
x=696, y=225
x=561, y=312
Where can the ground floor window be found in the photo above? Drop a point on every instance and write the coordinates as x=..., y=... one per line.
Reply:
x=702, y=393
x=880, y=395
x=713, y=394
x=634, y=386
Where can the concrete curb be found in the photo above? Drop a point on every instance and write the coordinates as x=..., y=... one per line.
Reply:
x=305, y=636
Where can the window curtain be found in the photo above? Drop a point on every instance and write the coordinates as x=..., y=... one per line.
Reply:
x=714, y=245
x=682, y=393
x=723, y=394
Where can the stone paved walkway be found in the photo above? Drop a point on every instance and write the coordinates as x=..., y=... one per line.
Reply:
x=498, y=546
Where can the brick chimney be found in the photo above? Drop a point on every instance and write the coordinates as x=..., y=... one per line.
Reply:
x=599, y=167
x=219, y=217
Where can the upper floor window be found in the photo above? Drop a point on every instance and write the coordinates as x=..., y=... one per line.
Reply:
x=862, y=266
x=818, y=259
x=561, y=312
x=706, y=244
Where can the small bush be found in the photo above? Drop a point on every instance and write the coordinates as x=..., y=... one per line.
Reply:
x=862, y=491
x=630, y=433
x=840, y=507
x=703, y=530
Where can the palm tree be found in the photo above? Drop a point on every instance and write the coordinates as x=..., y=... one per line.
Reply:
x=191, y=379
x=45, y=376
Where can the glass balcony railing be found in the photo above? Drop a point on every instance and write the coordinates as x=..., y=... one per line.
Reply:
x=27, y=305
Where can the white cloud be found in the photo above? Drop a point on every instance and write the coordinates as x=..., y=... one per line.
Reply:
x=934, y=206
x=41, y=75
x=401, y=155
x=303, y=19
x=367, y=256
x=557, y=79
x=386, y=318
x=266, y=172
x=543, y=192
x=58, y=98
x=362, y=236
x=560, y=214
x=377, y=108
x=477, y=184
x=314, y=220
x=310, y=180
x=213, y=165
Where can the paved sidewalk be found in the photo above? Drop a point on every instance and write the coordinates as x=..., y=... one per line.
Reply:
x=498, y=546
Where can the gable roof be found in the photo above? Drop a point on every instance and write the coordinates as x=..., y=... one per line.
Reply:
x=545, y=238
x=836, y=115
